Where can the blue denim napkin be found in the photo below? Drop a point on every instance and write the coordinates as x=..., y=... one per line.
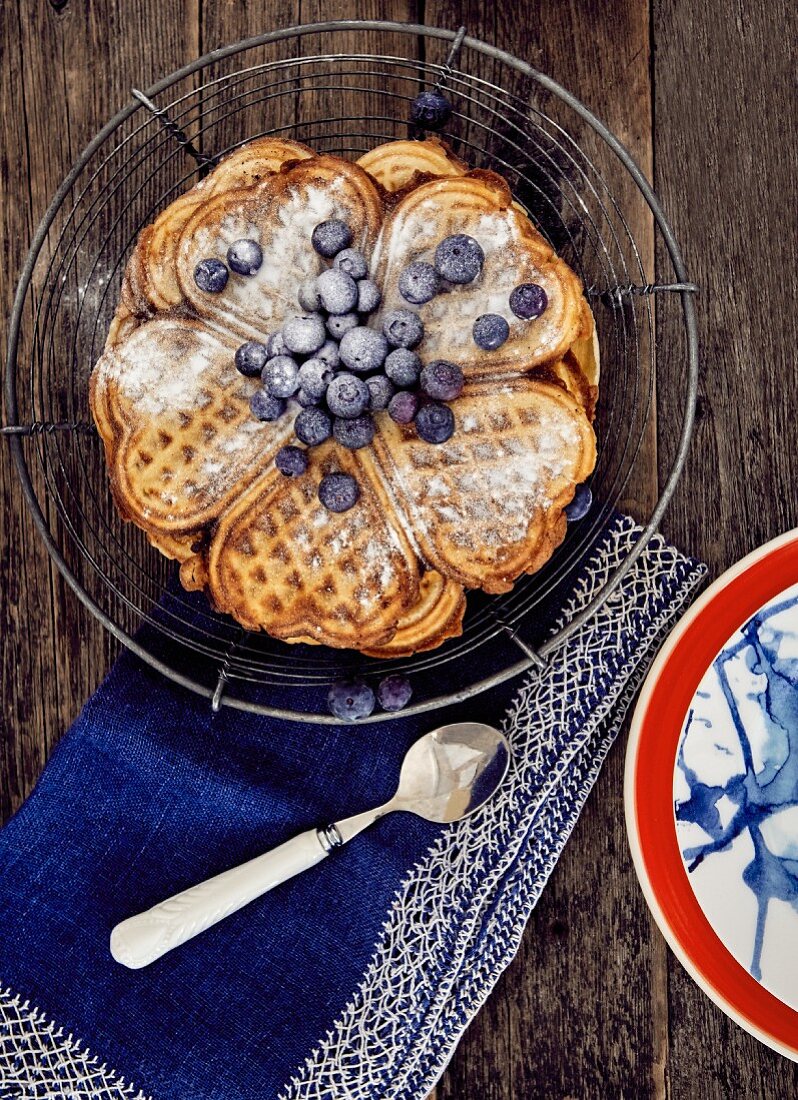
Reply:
x=352, y=981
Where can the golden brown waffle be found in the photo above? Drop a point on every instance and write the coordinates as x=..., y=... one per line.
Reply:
x=480, y=204
x=399, y=164
x=192, y=467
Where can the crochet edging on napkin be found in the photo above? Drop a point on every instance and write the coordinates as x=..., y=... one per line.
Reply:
x=374, y=1049
x=40, y=1061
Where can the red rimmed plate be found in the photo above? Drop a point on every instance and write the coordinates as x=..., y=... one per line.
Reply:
x=711, y=792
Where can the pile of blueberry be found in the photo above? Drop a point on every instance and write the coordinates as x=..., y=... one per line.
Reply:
x=340, y=370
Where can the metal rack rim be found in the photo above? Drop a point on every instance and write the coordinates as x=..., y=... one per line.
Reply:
x=683, y=286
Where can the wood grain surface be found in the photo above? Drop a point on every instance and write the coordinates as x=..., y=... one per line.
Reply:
x=594, y=1004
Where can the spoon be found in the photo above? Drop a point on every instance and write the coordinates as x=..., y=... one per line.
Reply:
x=446, y=775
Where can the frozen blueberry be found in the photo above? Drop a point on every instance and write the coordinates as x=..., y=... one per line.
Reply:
x=244, y=256
x=281, y=376
x=251, y=358
x=309, y=295
x=305, y=399
x=312, y=426
x=291, y=461
x=315, y=376
x=459, y=258
x=381, y=390
x=432, y=110
x=265, y=406
x=304, y=334
x=435, y=423
x=337, y=291
x=528, y=301
x=352, y=699
x=490, y=331
x=347, y=395
x=394, y=692
x=328, y=352
x=580, y=505
x=442, y=380
x=338, y=326
x=368, y=296
x=403, y=406
x=363, y=349
x=277, y=345
x=353, y=432
x=403, y=328
x=418, y=283
x=339, y=492
x=211, y=276
x=328, y=238
x=353, y=262
x=403, y=367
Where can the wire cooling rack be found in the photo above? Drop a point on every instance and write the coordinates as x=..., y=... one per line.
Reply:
x=578, y=183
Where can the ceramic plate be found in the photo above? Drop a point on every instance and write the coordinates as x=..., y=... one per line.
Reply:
x=712, y=792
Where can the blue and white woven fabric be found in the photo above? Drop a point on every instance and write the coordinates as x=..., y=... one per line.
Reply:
x=353, y=981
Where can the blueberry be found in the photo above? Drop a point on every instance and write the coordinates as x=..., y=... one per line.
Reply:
x=330, y=237
x=442, y=380
x=350, y=700
x=403, y=367
x=353, y=432
x=281, y=376
x=339, y=492
x=315, y=376
x=528, y=301
x=403, y=406
x=368, y=296
x=277, y=345
x=418, y=283
x=291, y=461
x=251, y=358
x=312, y=426
x=353, y=262
x=432, y=110
x=459, y=258
x=305, y=399
x=304, y=334
x=435, y=423
x=347, y=395
x=381, y=390
x=403, y=328
x=580, y=505
x=265, y=406
x=340, y=325
x=490, y=331
x=328, y=353
x=394, y=692
x=309, y=296
x=244, y=256
x=211, y=276
x=337, y=291
x=363, y=349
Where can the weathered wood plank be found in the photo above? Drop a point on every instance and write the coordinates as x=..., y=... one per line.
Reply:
x=725, y=152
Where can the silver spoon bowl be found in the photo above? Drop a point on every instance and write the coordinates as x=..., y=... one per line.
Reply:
x=446, y=775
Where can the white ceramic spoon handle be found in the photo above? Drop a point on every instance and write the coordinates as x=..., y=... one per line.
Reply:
x=142, y=939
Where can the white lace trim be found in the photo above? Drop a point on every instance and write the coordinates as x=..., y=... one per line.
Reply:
x=457, y=920
x=39, y=1062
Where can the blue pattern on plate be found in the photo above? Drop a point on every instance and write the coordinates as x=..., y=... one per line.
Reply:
x=740, y=766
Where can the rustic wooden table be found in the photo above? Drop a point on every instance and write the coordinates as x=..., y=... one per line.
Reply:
x=594, y=1004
